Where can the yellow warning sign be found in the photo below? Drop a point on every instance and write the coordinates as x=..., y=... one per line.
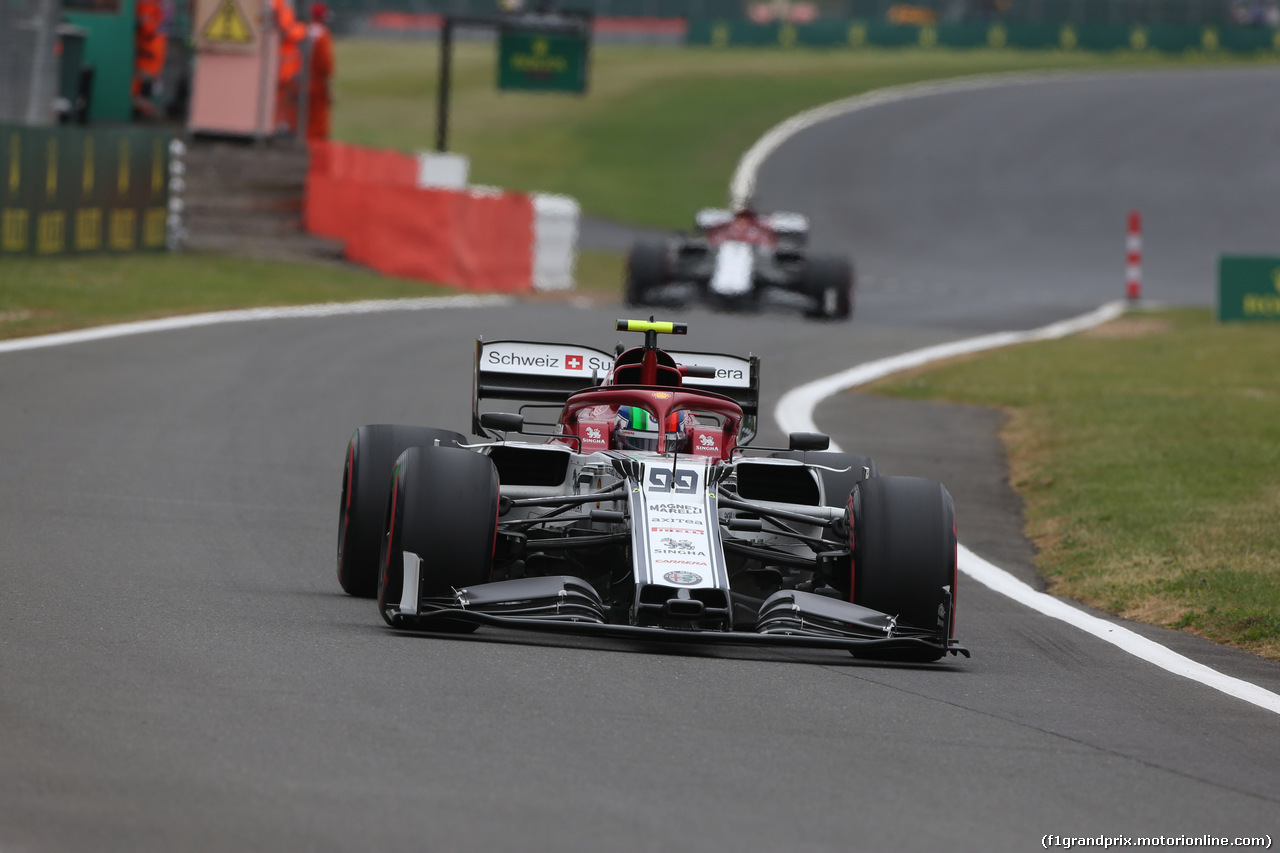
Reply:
x=228, y=25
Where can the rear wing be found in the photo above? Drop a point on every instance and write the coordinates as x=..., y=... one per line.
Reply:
x=548, y=373
x=533, y=372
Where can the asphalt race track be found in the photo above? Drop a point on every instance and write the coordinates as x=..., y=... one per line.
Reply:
x=180, y=671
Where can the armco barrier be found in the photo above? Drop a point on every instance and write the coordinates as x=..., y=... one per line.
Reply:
x=369, y=200
x=829, y=33
x=67, y=190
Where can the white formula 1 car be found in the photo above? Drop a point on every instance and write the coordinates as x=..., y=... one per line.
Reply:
x=641, y=512
x=738, y=259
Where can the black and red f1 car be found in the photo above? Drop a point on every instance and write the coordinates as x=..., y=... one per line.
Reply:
x=737, y=259
x=641, y=512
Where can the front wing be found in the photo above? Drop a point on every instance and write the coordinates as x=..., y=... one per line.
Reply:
x=568, y=605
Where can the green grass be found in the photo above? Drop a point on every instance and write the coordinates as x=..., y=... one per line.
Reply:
x=1148, y=454
x=40, y=295
x=599, y=274
x=43, y=295
x=661, y=129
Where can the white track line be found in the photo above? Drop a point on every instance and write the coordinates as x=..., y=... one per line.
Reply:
x=794, y=413
x=329, y=309
x=742, y=185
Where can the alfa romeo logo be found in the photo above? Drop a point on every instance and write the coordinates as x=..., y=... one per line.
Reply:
x=682, y=578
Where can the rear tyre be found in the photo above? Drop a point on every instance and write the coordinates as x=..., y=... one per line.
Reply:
x=646, y=271
x=444, y=508
x=366, y=481
x=904, y=553
x=828, y=281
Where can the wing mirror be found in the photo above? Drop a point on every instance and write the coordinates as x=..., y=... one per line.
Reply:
x=806, y=441
x=502, y=421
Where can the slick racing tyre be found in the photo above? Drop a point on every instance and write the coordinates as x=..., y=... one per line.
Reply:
x=904, y=553
x=366, y=480
x=444, y=508
x=836, y=485
x=828, y=282
x=646, y=271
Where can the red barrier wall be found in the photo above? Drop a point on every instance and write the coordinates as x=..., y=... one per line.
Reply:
x=369, y=200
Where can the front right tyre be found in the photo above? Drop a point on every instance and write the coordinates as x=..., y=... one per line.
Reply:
x=366, y=481
x=443, y=508
x=646, y=271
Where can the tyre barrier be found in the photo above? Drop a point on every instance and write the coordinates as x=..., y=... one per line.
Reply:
x=478, y=238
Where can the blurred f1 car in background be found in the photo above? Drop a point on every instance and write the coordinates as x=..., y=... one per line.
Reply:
x=639, y=513
x=737, y=259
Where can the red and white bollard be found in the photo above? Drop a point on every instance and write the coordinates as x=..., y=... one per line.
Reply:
x=1133, y=261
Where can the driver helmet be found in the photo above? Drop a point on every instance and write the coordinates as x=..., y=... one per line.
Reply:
x=636, y=429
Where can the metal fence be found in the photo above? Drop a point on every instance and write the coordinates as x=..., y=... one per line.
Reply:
x=28, y=61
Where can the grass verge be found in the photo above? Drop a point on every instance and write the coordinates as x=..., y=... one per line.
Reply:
x=1148, y=454
x=42, y=295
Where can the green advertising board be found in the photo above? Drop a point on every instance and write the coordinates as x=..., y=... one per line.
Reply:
x=109, y=49
x=833, y=33
x=67, y=190
x=542, y=60
x=1248, y=288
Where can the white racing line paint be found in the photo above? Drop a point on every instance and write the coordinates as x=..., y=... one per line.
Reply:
x=794, y=412
x=189, y=321
x=742, y=185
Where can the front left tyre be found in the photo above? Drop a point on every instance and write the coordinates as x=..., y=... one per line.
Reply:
x=828, y=282
x=903, y=532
